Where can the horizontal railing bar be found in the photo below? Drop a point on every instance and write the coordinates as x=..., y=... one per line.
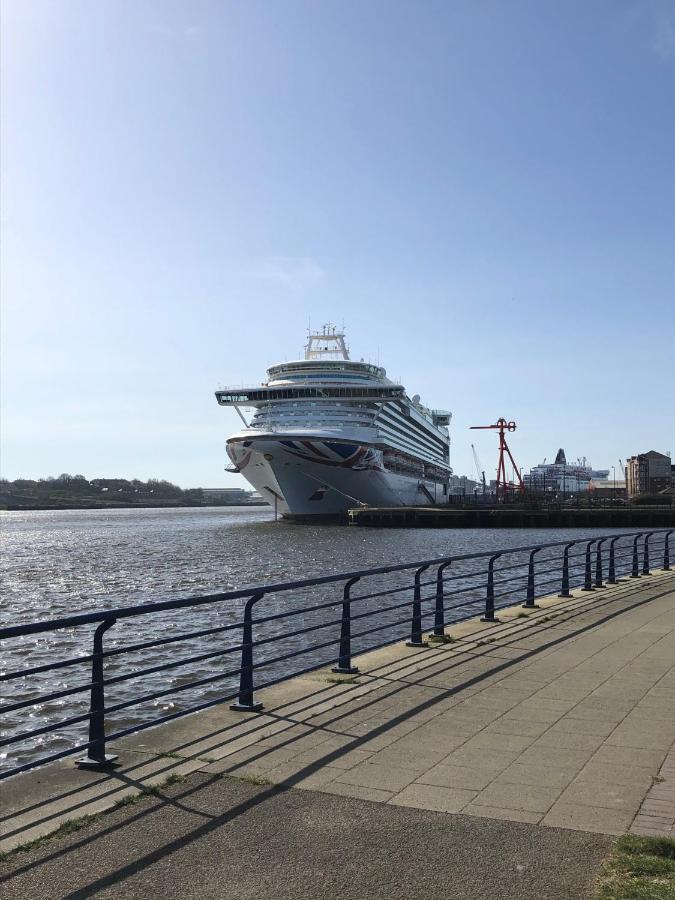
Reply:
x=205, y=705
x=169, y=717
x=321, y=665
x=358, y=634
x=381, y=609
x=384, y=593
x=172, y=690
x=116, y=679
x=43, y=760
x=291, y=634
x=44, y=698
x=273, y=617
x=150, y=608
x=188, y=635
x=544, y=564
x=47, y=667
x=277, y=659
x=23, y=736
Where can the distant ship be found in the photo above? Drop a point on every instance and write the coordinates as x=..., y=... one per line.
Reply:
x=562, y=476
x=330, y=433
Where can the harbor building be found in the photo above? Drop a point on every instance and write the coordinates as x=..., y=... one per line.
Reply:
x=608, y=489
x=648, y=473
x=562, y=477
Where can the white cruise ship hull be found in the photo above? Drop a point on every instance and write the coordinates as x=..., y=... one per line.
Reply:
x=313, y=474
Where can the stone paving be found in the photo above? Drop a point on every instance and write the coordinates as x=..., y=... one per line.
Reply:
x=562, y=716
x=656, y=815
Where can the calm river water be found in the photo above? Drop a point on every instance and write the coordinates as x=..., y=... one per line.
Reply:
x=60, y=563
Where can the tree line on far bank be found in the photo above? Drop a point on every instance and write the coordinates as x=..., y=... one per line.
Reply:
x=108, y=490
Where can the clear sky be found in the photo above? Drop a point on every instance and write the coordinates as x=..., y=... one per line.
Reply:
x=482, y=190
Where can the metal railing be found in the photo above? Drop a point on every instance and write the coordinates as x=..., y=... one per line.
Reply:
x=394, y=604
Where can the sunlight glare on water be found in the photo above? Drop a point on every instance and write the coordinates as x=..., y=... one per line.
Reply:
x=59, y=563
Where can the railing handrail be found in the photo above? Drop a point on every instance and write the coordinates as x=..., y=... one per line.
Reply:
x=141, y=609
x=251, y=639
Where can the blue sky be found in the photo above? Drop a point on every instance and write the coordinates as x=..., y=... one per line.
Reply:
x=482, y=191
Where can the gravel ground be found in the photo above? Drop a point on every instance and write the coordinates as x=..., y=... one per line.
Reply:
x=221, y=838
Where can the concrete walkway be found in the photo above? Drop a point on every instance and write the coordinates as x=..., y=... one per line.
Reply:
x=222, y=839
x=562, y=719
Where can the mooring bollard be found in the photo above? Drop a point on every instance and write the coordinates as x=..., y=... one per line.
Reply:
x=529, y=602
x=245, y=702
x=344, y=666
x=439, y=614
x=635, y=573
x=490, y=591
x=645, y=554
x=96, y=757
x=416, y=625
x=588, y=580
x=598, y=564
x=565, y=587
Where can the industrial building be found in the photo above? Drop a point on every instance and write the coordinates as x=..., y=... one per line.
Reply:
x=461, y=485
x=648, y=473
x=608, y=489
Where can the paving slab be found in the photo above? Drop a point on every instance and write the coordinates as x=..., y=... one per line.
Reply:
x=656, y=815
x=513, y=731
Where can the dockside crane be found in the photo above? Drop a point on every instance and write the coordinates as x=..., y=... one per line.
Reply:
x=502, y=426
x=479, y=470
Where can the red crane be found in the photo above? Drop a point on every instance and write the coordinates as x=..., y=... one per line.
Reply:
x=502, y=489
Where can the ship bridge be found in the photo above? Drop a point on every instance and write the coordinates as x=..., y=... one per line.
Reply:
x=264, y=394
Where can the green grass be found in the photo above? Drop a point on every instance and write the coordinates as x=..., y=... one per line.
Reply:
x=638, y=868
x=342, y=680
x=251, y=779
x=441, y=638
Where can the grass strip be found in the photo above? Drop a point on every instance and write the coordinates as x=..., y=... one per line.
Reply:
x=638, y=868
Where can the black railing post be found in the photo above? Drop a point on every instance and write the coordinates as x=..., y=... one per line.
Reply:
x=588, y=574
x=416, y=625
x=344, y=666
x=439, y=614
x=611, y=575
x=666, y=553
x=490, y=591
x=636, y=566
x=245, y=702
x=565, y=587
x=598, y=563
x=529, y=602
x=645, y=555
x=96, y=757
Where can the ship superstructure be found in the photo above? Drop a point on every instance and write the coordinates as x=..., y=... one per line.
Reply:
x=329, y=433
x=562, y=476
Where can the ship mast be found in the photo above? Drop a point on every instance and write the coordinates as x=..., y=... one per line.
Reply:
x=326, y=344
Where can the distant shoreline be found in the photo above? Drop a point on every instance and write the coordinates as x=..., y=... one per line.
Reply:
x=43, y=507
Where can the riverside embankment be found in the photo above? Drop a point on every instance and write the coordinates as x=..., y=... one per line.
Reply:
x=497, y=764
x=57, y=563
x=514, y=516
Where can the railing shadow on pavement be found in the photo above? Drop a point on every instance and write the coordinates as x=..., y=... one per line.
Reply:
x=630, y=592
x=459, y=587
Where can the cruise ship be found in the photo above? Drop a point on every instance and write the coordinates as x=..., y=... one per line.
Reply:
x=329, y=433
